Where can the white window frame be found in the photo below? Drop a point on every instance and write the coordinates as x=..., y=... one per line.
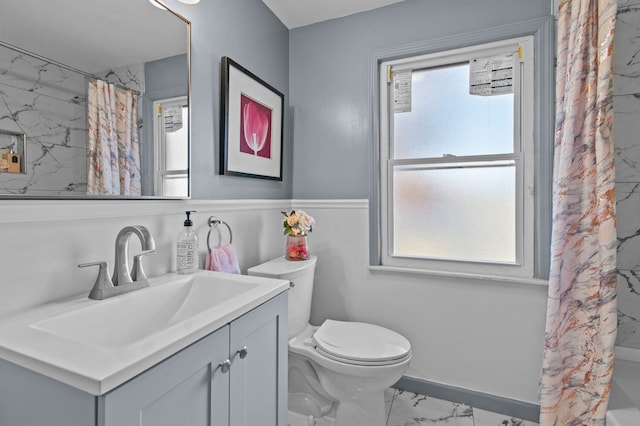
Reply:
x=524, y=133
x=159, y=141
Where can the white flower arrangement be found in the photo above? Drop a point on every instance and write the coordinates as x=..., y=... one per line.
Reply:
x=297, y=222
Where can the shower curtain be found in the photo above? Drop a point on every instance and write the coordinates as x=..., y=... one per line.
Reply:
x=113, y=142
x=581, y=311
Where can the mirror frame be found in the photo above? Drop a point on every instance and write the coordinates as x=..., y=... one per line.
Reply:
x=85, y=196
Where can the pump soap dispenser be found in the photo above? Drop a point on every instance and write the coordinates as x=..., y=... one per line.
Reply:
x=188, y=252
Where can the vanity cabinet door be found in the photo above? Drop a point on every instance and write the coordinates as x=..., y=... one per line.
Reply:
x=185, y=389
x=258, y=380
x=28, y=398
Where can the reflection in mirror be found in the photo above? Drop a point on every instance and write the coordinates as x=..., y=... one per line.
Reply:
x=171, y=148
x=81, y=83
x=12, y=152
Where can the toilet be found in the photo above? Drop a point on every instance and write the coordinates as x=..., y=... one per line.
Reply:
x=338, y=371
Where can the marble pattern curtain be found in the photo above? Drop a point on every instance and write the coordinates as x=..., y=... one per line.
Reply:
x=581, y=312
x=113, y=142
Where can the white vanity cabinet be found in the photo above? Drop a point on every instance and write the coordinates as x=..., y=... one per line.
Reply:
x=187, y=388
x=192, y=387
x=258, y=382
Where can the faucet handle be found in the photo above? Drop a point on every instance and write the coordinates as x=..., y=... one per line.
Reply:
x=103, y=282
x=138, y=273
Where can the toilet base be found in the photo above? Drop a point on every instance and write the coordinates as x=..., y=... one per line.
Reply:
x=368, y=409
x=297, y=419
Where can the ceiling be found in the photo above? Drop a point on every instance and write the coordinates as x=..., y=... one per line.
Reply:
x=93, y=35
x=68, y=31
x=298, y=13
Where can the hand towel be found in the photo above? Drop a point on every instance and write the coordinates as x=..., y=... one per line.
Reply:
x=222, y=259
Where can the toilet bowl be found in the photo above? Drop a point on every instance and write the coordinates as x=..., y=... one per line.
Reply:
x=338, y=370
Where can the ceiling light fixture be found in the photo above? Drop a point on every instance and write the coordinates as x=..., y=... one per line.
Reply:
x=158, y=5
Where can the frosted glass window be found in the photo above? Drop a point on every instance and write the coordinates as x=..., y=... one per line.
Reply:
x=171, y=142
x=458, y=213
x=456, y=169
x=175, y=186
x=446, y=120
x=177, y=145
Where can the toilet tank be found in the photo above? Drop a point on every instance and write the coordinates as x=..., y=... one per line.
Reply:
x=300, y=273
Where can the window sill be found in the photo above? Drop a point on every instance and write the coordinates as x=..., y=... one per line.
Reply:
x=449, y=274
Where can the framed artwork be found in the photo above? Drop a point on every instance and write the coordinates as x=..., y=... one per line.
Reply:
x=251, y=123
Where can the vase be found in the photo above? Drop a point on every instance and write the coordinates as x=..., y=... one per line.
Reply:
x=297, y=247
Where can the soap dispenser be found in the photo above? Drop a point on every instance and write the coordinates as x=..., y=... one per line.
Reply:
x=188, y=252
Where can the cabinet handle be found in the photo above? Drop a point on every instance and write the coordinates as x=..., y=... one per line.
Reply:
x=242, y=352
x=224, y=366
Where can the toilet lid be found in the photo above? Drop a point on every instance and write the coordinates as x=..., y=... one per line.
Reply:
x=360, y=343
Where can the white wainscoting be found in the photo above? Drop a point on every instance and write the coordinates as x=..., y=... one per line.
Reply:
x=482, y=335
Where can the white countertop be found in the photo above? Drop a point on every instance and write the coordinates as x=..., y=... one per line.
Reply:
x=97, y=369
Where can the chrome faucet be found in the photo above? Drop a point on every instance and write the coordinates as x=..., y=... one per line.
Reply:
x=123, y=280
x=121, y=274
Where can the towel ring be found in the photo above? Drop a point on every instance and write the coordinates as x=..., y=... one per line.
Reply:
x=213, y=222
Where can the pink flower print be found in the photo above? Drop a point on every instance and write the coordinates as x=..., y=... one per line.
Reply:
x=256, y=127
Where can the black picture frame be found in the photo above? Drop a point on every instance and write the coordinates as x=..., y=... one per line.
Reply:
x=251, y=124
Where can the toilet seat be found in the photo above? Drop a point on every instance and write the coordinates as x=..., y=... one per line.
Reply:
x=360, y=343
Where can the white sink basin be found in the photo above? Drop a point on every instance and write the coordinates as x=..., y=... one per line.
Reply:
x=128, y=318
x=98, y=345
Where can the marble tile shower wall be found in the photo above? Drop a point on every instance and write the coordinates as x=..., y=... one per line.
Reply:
x=627, y=141
x=48, y=104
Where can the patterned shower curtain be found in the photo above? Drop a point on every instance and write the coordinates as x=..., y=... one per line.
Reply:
x=113, y=142
x=581, y=312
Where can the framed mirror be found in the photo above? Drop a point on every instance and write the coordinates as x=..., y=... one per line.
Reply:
x=94, y=100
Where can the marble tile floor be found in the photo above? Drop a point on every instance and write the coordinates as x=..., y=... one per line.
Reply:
x=410, y=409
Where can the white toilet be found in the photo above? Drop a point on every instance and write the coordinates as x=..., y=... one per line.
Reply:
x=338, y=371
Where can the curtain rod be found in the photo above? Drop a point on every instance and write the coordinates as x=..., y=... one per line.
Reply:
x=61, y=65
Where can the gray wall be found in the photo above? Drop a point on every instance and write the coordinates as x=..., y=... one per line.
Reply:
x=249, y=33
x=329, y=83
x=322, y=70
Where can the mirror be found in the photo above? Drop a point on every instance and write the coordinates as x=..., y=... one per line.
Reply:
x=67, y=69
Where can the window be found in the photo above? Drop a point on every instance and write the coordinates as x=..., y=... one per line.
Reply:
x=457, y=160
x=171, y=139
